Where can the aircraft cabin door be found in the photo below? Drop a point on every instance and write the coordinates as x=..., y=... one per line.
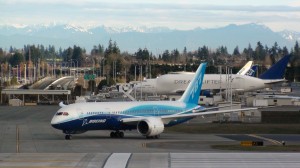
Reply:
x=80, y=113
x=155, y=111
x=109, y=113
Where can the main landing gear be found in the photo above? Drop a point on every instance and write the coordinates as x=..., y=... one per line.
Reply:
x=68, y=137
x=153, y=137
x=117, y=134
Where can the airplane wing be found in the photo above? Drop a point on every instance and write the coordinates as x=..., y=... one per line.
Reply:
x=211, y=108
x=179, y=91
x=274, y=81
x=167, y=118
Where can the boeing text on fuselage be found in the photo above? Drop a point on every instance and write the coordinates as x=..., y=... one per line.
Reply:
x=186, y=82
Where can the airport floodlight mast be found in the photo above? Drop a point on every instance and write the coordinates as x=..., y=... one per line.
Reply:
x=76, y=68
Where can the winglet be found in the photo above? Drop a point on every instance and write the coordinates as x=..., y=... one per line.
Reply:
x=192, y=92
x=277, y=70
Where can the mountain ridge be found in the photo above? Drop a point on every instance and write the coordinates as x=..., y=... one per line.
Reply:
x=155, y=39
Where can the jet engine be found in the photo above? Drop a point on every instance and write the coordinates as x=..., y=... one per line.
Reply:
x=150, y=127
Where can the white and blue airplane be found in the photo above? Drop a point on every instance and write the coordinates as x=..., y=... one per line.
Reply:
x=148, y=117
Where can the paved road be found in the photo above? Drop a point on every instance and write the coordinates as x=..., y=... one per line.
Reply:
x=28, y=140
x=31, y=125
x=151, y=160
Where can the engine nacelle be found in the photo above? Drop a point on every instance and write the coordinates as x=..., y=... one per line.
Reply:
x=150, y=127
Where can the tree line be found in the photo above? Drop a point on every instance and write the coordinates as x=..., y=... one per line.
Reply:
x=107, y=61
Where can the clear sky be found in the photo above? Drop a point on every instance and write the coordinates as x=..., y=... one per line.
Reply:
x=175, y=14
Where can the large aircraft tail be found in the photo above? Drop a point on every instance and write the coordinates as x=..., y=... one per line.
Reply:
x=192, y=92
x=252, y=72
x=277, y=70
x=245, y=68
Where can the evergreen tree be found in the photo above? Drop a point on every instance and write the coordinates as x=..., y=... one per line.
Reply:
x=236, y=51
x=77, y=55
x=175, y=56
x=259, y=53
x=166, y=56
x=16, y=59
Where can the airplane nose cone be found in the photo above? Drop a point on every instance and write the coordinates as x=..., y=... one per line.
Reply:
x=55, y=123
x=56, y=126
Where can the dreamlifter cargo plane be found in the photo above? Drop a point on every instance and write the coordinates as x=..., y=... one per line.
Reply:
x=176, y=83
x=148, y=117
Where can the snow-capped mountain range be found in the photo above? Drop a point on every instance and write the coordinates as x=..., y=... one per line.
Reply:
x=155, y=39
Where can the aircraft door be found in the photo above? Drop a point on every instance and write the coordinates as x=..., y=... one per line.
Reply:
x=109, y=113
x=80, y=113
x=155, y=111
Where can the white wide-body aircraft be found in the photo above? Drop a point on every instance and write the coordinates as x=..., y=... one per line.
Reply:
x=148, y=117
x=176, y=83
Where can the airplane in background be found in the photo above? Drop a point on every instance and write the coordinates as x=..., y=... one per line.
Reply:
x=252, y=71
x=149, y=85
x=174, y=84
x=245, y=68
x=148, y=117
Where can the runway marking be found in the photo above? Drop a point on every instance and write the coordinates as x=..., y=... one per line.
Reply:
x=117, y=160
x=266, y=139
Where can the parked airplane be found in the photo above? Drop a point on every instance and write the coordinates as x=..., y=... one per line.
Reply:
x=176, y=83
x=252, y=72
x=149, y=118
x=150, y=85
x=245, y=68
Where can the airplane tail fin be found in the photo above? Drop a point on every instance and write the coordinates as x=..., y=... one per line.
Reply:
x=277, y=70
x=252, y=72
x=245, y=68
x=192, y=92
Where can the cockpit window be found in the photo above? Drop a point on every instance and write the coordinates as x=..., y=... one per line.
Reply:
x=62, y=113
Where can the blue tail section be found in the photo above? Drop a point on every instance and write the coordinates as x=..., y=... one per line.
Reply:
x=252, y=72
x=277, y=70
x=192, y=92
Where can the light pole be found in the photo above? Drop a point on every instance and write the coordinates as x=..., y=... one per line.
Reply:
x=93, y=65
x=61, y=66
x=9, y=69
x=71, y=61
x=77, y=66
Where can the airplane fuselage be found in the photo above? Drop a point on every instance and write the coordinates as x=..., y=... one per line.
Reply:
x=177, y=83
x=107, y=115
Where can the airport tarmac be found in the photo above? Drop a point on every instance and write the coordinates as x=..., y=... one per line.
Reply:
x=28, y=140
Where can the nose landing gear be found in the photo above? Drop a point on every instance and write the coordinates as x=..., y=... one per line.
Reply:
x=68, y=137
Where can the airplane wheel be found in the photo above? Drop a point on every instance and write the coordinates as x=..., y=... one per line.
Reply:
x=112, y=134
x=68, y=137
x=157, y=136
x=121, y=134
